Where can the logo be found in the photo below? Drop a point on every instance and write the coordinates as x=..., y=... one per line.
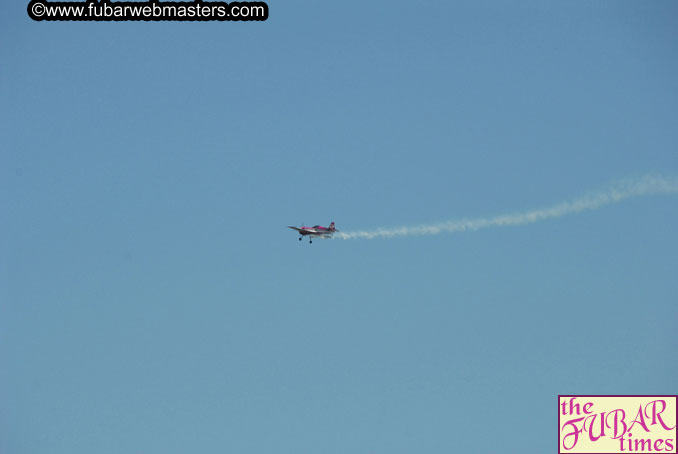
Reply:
x=617, y=424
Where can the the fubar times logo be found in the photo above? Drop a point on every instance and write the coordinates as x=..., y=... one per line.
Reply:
x=617, y=424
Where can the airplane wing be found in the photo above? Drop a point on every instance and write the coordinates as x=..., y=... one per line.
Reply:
x=303, y=231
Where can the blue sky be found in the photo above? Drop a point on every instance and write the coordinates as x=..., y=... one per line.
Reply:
x=154, y=301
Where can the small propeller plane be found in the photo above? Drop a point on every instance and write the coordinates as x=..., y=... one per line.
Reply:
x=316, y=230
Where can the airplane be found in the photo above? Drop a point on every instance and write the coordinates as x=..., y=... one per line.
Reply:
x=316, y=230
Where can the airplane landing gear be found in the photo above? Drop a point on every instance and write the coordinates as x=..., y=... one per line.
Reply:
x=299, y=238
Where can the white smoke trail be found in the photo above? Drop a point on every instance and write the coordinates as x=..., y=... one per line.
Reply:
x=621, y=191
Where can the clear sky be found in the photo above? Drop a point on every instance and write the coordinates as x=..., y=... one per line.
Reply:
x=153, y=300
